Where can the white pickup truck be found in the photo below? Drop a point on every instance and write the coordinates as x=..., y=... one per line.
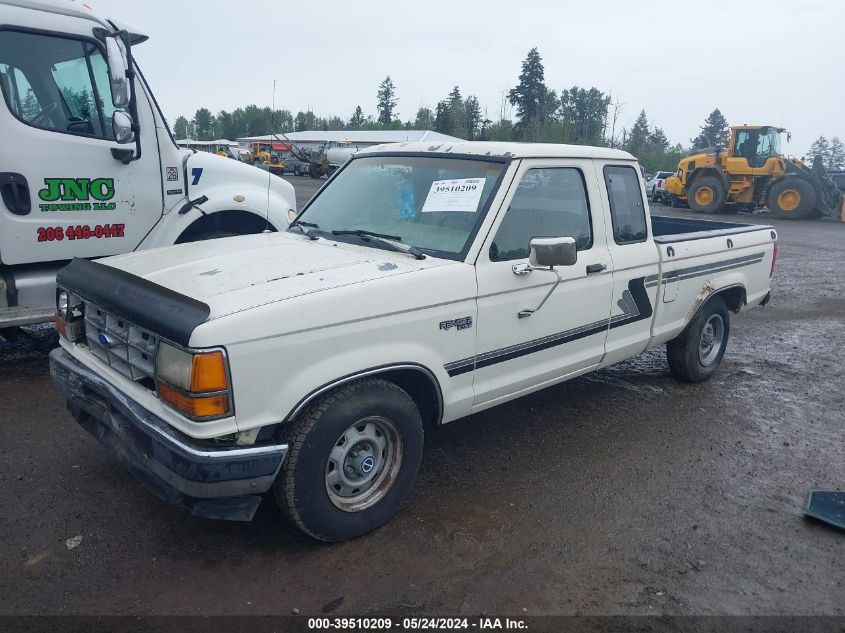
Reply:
x=421, y=284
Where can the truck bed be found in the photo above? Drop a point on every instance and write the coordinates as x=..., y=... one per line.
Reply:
x=670, y=229
x=699, y=257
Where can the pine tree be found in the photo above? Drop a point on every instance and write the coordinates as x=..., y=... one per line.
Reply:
x=180, y=127
x=203, y=122
x=657, y=140
x=387, y=102
x=836, y=154
x=638, y=137
x=424, y=120
x=443, y=118
x=714, y=132
x=30, y=108
x=819, y=151
x=357, y=118
x=472, y=115
x=531, y=96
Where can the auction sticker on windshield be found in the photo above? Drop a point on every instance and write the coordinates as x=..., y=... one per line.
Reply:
x=462, y=194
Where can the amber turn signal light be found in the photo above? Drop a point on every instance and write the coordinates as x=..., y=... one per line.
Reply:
x=194, y=406
x=208, y=373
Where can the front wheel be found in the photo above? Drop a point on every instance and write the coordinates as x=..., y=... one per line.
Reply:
x=354, y=456
x=791, y=198
x=696, y=353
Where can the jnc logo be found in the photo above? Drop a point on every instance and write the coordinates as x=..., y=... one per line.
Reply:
x=73, y=189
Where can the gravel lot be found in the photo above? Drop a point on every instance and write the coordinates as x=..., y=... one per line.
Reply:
x=620, y=492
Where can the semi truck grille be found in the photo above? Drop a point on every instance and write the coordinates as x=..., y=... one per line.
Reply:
x=122, y=345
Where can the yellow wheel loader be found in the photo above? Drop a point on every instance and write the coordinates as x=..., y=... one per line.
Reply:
x=752, y=172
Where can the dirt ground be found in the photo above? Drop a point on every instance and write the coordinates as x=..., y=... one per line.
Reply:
x=620, y=492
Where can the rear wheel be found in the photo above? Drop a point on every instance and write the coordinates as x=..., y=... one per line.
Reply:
x=696, y=353
x=354, y=456
x=706, y=195
x=791, y=198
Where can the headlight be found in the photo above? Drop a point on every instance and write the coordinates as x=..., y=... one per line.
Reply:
x=68, y=319
x=196, y=383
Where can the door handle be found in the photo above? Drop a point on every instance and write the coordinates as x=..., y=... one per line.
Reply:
x=592, y=269
x=15, y=193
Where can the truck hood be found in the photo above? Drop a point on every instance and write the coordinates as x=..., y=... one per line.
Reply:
x=239, y=273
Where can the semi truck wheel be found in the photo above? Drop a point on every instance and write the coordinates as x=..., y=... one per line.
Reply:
x=695, y=354
x=706, y=195
x=791, y=198
x=354, y=455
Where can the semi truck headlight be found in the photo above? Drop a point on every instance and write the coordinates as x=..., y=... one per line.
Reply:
x=195, y=383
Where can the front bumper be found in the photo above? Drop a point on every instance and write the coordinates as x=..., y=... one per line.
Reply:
x=208, y=481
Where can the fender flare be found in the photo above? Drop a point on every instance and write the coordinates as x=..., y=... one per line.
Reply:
x=368, y=373
x=708, y=170
x=222, y=219
x=721, y=291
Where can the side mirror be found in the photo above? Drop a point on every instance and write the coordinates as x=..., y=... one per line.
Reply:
x=117, y=61
x=122, y=125
x=552, y=251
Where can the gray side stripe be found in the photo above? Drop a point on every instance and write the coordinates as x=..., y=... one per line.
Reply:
x=704, y=269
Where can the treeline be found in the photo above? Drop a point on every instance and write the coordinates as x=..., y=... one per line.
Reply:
x=830, y=153
x=577, y=115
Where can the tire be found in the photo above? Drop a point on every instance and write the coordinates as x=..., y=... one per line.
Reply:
x=314, y=170
x=296, y=171
x=706, y=195
x=311, y=490
x=690, y=357
x=791, y=198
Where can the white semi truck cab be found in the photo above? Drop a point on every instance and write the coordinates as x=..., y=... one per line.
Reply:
x=88, y=167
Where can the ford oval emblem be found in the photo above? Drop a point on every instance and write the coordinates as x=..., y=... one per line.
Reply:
x=104, y=340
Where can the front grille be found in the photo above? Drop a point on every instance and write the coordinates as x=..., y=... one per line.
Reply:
x=122, y=345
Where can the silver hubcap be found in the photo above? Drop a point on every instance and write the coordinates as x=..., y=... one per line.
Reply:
x=712, y=336
x=363, y=464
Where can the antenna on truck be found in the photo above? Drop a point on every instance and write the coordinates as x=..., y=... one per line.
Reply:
x=269, y=173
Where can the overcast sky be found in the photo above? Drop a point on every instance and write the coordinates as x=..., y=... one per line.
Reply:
x=776, y=62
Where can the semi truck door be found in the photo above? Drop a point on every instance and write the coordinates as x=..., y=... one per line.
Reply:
x=553, y=198
x=64, y=194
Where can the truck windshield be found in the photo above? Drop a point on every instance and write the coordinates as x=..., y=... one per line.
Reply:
x=433, y=203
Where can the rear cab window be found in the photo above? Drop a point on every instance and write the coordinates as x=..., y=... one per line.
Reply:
x=627, y=209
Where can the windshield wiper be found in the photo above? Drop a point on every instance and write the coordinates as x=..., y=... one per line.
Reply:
x=392, y=241
x=301, y=224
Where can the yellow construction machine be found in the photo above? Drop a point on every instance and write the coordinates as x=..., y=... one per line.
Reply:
x=752, y=172
x=263, y=153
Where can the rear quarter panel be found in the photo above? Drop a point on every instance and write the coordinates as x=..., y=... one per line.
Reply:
x=691, y=271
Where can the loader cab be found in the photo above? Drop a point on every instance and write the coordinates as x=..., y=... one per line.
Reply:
x=752, y=147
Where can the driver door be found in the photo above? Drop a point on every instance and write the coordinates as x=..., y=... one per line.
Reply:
x=552, y=198
x=64, y=194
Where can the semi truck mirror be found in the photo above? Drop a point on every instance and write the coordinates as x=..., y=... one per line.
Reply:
x=122, y=126
x=118, y=64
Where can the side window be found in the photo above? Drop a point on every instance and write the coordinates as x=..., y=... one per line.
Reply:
x=56, y=83
x=549, y=202
x=627, y=211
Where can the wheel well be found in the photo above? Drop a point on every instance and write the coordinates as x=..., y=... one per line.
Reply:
x=417, y=381
x=708, y=171
x=734, y=297
x=241, y=222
